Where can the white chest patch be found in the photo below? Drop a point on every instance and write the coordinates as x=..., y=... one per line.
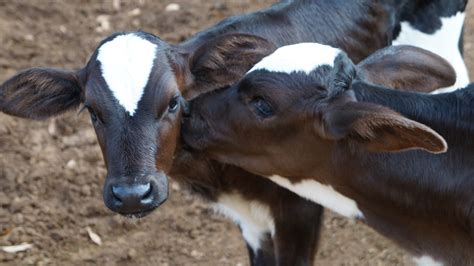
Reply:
x=298, y=57
x=323, y=195
x=254, y=218
x=427, y=261
x=443, y=42
x=126, y=63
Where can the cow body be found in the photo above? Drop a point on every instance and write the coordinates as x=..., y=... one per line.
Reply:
x=136, y=114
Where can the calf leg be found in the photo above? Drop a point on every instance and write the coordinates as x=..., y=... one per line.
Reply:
x=297, y=232
x=264, y=255
x=279, y=227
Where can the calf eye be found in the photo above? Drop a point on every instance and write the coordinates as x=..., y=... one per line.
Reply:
x=263, y=108
x=173, y=105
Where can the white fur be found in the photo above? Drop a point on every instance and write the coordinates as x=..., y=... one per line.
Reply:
x=323, y=195
x=427, y=261
x=443, y=42
x=298, y=57
x=254, y=218
x=126, y=63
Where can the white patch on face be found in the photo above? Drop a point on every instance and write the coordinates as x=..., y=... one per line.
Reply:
x=443, y=42
x=126, y=63
x=426, y=261
x=298, y=57
x=324, y=195
x=254, y=218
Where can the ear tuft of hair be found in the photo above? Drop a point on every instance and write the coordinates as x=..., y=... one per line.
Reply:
x=344, y=73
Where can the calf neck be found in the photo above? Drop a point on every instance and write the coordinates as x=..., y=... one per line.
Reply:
x=422, y=200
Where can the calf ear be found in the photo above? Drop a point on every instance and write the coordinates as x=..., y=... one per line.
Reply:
x=405, y=67
x=379, y=129
x=224, y=60
x=40, y=93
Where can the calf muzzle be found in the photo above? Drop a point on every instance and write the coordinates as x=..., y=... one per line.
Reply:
x=135, y=197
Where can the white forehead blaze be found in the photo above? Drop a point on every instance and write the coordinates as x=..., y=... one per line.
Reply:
x=298, y=57
x=126, y=63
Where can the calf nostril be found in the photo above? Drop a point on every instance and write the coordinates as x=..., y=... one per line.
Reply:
x=148, y=191
x=133, y=198
x=132, y=194
x=147, y=198
x=116, y=195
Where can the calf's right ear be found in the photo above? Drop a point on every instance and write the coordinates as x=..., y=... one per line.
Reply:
x=405, y=67
x=39, y=93
x=378, y=129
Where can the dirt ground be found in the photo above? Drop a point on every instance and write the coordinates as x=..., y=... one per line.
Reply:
x=51, y=172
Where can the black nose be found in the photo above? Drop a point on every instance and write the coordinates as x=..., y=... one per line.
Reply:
x=132, y=198
x=136, y=195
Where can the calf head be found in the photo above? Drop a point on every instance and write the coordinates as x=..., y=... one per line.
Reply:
x=297, y=103
x=133, y=87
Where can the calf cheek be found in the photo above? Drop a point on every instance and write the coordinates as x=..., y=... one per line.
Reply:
x=167, y=142
x=102, y=143
x=230, y=140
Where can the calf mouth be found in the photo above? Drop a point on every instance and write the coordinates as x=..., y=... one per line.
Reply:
x=139, y=215
x=142, y=213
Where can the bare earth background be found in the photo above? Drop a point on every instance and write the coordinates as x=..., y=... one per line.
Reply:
x=51, y=172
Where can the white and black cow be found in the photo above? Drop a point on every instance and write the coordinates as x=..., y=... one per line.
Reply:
x=135, y=87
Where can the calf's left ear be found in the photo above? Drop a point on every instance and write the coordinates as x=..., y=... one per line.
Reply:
x=224, y=60
x=405, y=67
x=39, y=93
x=378, y=129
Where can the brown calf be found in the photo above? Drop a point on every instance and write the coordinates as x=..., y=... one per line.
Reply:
x=338, y=142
